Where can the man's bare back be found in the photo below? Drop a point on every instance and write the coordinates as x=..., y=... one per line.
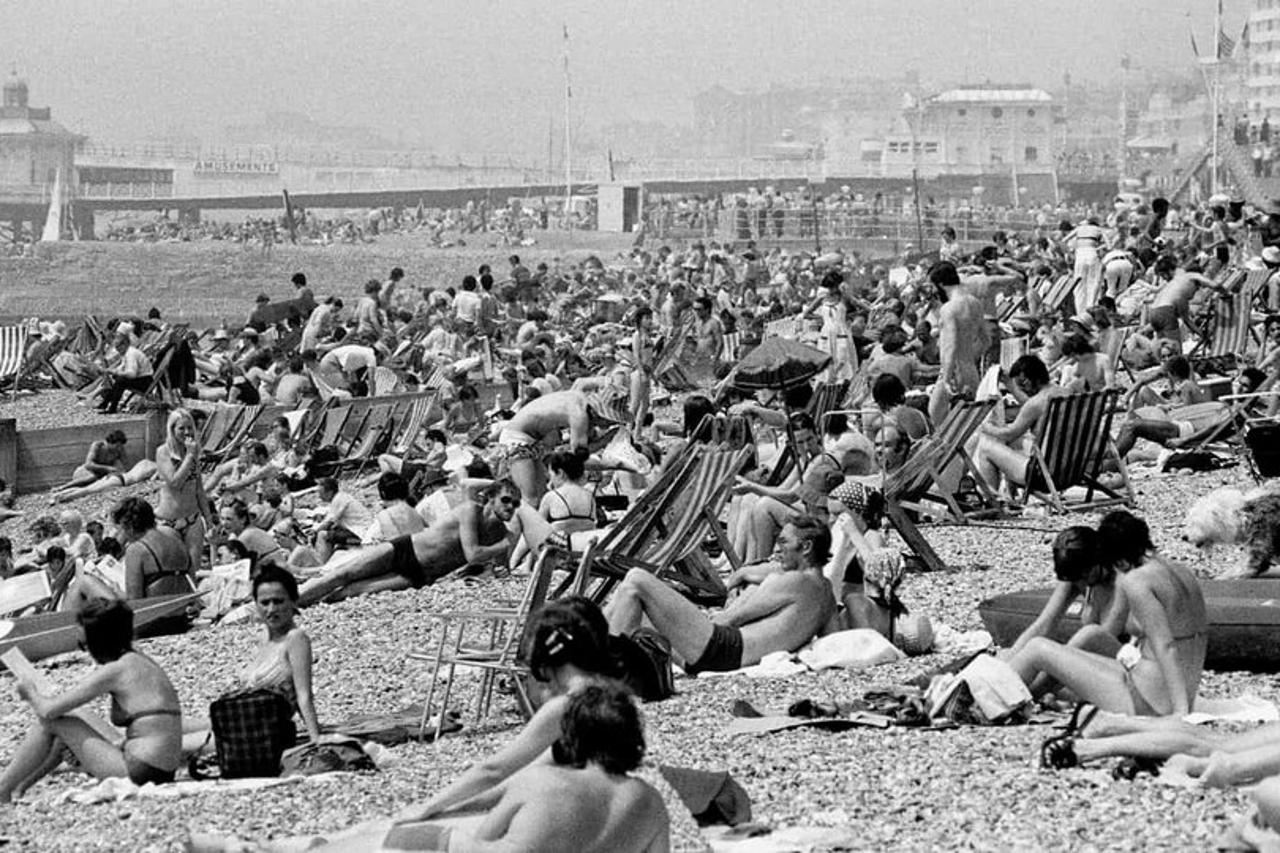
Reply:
x=549, y=808
x=962, y=339
x=553, y=412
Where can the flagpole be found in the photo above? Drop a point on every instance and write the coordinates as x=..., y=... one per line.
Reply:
x=1217, y=61
x=568, y=147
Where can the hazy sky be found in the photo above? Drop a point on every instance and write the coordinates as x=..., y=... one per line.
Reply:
x=468, y=74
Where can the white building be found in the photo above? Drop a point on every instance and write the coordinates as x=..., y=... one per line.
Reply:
x=1262, y=76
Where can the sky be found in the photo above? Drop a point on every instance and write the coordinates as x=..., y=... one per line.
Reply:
x=469, y=75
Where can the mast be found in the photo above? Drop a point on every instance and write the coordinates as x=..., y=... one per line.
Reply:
x=568, y=147
x=1214, y=95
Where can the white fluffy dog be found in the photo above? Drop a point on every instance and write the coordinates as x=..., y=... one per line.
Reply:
x=1233, y=517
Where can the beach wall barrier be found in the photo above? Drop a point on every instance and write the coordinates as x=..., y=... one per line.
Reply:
x=38, y=460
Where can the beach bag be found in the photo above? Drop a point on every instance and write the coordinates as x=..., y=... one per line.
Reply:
x=334, y=755
x=643, y=659
x=252, y=729
x=986, y=692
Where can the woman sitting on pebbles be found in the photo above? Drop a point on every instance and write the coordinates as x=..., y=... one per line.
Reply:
x=283, y=662
x=1157, y=673
x=143, y=701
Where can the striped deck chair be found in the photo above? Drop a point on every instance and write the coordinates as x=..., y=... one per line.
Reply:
x=327, y=428
x=1056, y=292
x=13, y=351
x=411, y=423
x=665, y=527
x=372, y=437
x=1012, y=349
x=1225, y=338
x=239, y=433
x=385, y=382
x=218, y=429
x=1111, y=344
x=913, y=485
x=732, y=347
x=1075, y=437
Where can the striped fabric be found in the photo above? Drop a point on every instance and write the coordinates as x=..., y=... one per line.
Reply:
x=411, y=425
x=732, y=346
x=611, y=405
x=937, y=452
x=1011, y=349
x=436, y=379
x=1055, y=294
x=712, y=479
x=1074, y=435
x=385, y=381
x=13, y=347
x=1228, y=331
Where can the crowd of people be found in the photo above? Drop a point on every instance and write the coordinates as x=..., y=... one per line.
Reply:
x=600, y=374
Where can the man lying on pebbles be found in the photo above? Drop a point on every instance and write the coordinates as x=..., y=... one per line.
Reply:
x=471, y=534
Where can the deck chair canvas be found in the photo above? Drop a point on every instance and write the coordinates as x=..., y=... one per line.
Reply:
x=13, y=351
x=1227, y=336
x=1075, y=438
x=666, y=525
x=912, y=487
x=1056, y=292
x=373, y=435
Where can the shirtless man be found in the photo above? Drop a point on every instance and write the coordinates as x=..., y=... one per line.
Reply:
x=536, y=427
x=1000, y=447
x=469, y=534
x=962, y=341
x=1173, y=301
x=787, y=610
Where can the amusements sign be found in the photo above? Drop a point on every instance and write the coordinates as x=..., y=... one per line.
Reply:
x=236, y=167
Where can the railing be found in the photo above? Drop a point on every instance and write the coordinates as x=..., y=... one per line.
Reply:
x=120, y=191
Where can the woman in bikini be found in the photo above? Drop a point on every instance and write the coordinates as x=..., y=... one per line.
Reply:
x=143, y=702
x=104, y=458
x=568, y=505
x=183, y=504
x=1157, y=673
x=156, y=561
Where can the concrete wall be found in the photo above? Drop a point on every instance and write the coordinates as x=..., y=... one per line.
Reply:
x=37, y=460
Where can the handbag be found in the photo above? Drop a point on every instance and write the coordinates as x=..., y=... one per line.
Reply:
x=251, y=729
x=336, y=754
x=643, y=659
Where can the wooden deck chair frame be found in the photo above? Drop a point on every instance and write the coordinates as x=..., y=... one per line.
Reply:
x=827, y=397
x=411, y=424
x=329, y=427
x=908, y=488
x=1229, y=428
x=1075, y=438
x=645, y=537
x=218, y=429
x=501, y=647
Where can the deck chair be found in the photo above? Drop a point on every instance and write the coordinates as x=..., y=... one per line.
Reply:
x=664, y=528
x=1225, y=338
x=324, y=388
x=491, y=641
x=1055, y=294
x=1012, y=349
x=13, y=351
x=385, y=382
x=913, y=486
x=328, y=428
x=238, y=433
x=373, y=435
x=218, y=429
x=1075, y=437
x=410, y=424
x=828, y=398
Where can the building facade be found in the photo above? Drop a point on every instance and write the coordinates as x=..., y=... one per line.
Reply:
x=1262, y=74
x=33, y=150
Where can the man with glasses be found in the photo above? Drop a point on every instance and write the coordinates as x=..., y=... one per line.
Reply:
x=469, y=535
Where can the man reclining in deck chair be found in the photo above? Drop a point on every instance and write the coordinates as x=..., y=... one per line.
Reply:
x=790, y=607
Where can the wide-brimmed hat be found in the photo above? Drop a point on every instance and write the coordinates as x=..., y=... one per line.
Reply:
x=1271, y=256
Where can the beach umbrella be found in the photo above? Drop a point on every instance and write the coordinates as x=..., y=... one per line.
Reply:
x=778, y=364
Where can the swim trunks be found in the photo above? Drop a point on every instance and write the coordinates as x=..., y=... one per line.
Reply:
x=722, y=654
x=1164, y=320
x=404, y=562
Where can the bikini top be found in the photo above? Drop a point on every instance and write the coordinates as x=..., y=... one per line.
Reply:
x=162, y=572
x=570, y=515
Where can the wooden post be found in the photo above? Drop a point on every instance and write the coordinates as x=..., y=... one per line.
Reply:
x=9, y=452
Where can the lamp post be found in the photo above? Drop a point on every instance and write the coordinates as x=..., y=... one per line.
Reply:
x=912, y=104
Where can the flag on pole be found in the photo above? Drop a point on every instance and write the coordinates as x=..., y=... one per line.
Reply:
x=1225, y=45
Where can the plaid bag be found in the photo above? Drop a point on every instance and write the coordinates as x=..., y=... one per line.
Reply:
x=252, y=729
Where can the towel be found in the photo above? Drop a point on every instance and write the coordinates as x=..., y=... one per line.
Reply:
x=1241, y=709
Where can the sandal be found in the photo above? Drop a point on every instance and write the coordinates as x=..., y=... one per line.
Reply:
x=1059, y=753
x=1131, y=768
x=1081, y=716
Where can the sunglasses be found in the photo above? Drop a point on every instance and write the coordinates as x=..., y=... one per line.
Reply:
x=509, y=501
